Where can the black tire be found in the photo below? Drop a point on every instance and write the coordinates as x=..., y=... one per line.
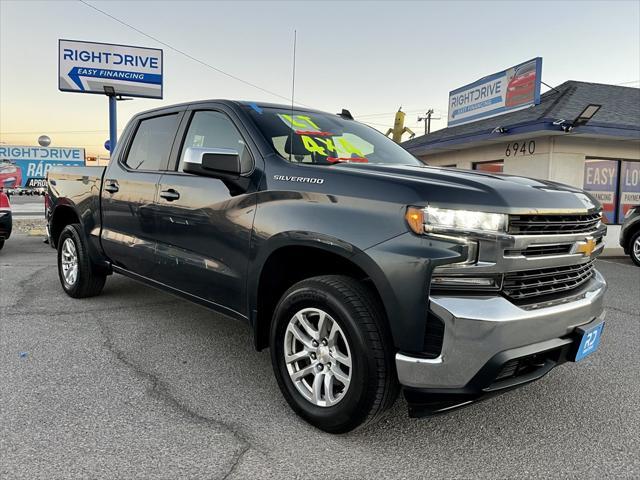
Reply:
x=634, y=257
x=374, y=385
x=88, y=282
x=1, y=244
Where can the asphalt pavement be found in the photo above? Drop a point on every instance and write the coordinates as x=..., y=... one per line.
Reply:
x=136, y=383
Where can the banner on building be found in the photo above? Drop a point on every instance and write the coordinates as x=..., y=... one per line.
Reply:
x=629, y=187
x=24, y=166
x=600, y=180
x=511, y=89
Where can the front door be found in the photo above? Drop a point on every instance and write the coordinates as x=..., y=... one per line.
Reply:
x=204, y=227
x=130, y=187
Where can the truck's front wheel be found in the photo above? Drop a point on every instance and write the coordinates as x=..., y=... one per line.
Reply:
x=331, y=355
x=77, y=275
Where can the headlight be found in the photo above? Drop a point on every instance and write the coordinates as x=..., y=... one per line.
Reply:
x=444, y=219
x=630, y=211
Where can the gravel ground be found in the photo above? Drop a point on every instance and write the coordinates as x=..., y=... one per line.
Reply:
x=138, y=384
x=33, y=226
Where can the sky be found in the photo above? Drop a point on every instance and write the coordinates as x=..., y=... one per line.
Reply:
x=368, y=57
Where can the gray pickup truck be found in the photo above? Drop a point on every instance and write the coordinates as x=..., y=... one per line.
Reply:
x=362, y=269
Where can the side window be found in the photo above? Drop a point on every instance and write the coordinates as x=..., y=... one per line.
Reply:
x=152, y=143
x=210, y=129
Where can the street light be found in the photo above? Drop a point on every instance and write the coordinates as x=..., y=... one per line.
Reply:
x=586, y=114
x=582, y=119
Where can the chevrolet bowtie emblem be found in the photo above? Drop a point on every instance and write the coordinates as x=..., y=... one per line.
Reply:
x=586, y=248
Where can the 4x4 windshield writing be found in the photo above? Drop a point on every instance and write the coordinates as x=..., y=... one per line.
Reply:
x=324, y=139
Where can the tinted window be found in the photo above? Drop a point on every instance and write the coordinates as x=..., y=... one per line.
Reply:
x=215, y=130
x=152, y=143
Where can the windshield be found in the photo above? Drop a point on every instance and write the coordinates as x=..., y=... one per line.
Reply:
x=324, y=139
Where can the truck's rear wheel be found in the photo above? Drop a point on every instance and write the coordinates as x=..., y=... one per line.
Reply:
x=77, y=275
x=331, y=355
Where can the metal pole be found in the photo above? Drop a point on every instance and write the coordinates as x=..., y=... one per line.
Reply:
x=113, y=124
x=429, y=120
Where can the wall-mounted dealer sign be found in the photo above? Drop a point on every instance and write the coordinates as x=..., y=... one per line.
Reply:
x=24, y=166
x=512, y=89
x=88, y=67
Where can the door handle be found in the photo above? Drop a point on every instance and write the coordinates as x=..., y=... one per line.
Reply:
x=111, y=186
x=170, y=195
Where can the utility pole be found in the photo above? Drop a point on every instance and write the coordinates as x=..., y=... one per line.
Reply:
x=427, y=121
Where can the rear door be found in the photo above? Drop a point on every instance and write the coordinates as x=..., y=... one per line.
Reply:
x=204, y=227
x=129, y=192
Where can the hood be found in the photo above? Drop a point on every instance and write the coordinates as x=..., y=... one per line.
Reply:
x=467, y=189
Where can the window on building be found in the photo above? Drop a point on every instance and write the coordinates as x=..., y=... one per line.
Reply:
x=614, y=183
x=496, y=166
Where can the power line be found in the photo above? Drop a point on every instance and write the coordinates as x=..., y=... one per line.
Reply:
x=628, y=83
x=367, y=115
x=191, y=57
x=52, y=132
x=386, y=113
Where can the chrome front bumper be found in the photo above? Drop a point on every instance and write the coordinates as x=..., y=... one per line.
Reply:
x=478, y=328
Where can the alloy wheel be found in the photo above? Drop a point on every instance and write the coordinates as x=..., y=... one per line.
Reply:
x=318, y=357
x=69, y=260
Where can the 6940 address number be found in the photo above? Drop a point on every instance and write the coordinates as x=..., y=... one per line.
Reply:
x=520, y=148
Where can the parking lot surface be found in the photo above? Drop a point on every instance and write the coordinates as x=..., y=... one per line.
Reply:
x=137, y=383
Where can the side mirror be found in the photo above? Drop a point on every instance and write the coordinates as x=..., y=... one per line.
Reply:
x=220, y=163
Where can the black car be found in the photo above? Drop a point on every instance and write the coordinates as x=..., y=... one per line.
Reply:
x=361, y=268
x=630, y=234
x=5, y=218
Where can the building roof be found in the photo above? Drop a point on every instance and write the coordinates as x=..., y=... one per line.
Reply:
x=618, y=117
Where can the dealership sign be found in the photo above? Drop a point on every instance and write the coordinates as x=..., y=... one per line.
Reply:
x=512, y=89
x=600, y=178
x=89, y=67
x=629, y=186
x=22, y=166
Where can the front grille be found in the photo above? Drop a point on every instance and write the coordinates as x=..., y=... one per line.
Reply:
x=545, y=281
x=541, y=250
x=553, y=224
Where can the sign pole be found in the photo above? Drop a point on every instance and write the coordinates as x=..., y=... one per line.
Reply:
x=113, y=123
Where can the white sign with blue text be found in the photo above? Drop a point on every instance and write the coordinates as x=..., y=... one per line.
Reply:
x=512, y=89
x=89, y=67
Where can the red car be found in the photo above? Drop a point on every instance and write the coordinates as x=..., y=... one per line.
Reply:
x=521, y=87
x=5, y=218
x=10, y=175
